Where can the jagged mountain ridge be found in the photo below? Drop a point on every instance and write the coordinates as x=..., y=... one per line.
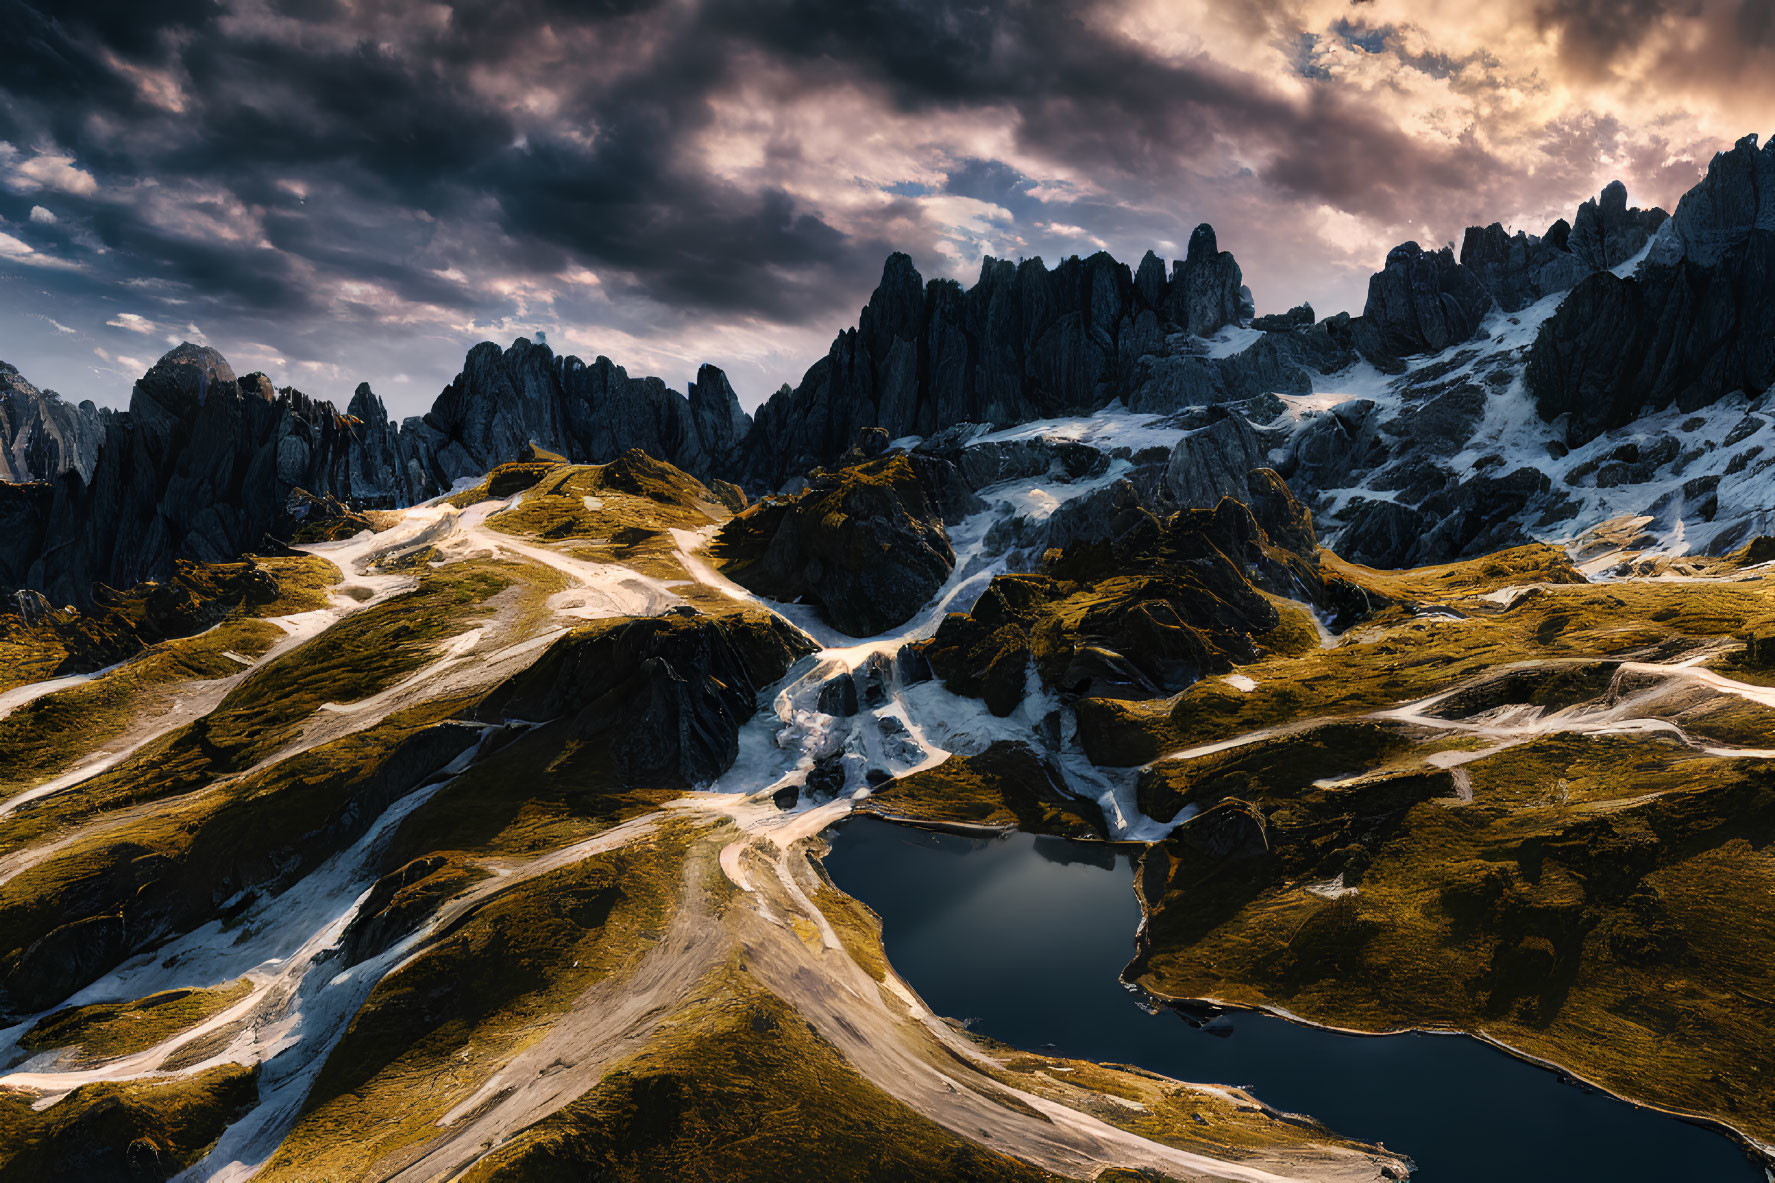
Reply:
x=1684, y=327
x=41, y=433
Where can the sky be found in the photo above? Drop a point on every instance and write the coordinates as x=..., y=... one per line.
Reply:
x=336, y=191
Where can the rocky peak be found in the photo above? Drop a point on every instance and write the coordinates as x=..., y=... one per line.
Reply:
x=184, y=378
x=1203, y=245
x=1520, y=269
x=715, y=410
x=896, y=307
x=1736, y=197
x=1424, y=301
x=1606, y=233
x=1207, y=288
x=365, y=406
x=1690, y=326
x=1149, y=280
x=43, y=435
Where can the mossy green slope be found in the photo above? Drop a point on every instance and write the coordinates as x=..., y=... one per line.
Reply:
x=1006, y=785
x=146, y=1129
x=739, y=1090
x=1593, y=900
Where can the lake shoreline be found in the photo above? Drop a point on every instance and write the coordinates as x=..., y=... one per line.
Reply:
x=1760, y=1152
x=914, y=889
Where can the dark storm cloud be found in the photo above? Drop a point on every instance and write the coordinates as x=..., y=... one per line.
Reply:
x=324, y=176
x=1708, y=44
x=1095, y=99
x=1593, y=34
x=401, y=121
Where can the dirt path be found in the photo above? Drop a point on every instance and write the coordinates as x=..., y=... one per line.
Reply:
x=882, y=1029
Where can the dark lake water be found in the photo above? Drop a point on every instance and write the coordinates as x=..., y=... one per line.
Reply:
x=1027, y=936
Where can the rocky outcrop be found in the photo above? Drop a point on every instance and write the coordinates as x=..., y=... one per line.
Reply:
x=590, y=414
x=201, y=466
x=1732, y=203
x=1474, y=517
x=205, y=465
x=1173, y=379
x=41, y=434
x=1424, y=301
x=1207, y=291
x=1145, y=612
x=865, y=543
x=1606, y=234
x=1299, y=317
x=660, y=700
x=1520, y=269
x=1213, y=462
x=1693, y=324
x=1024, y=342
x=1381, y=534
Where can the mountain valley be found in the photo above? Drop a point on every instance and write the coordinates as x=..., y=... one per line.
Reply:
x=452, y=799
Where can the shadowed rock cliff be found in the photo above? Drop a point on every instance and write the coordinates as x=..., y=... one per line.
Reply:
x=1695, y=322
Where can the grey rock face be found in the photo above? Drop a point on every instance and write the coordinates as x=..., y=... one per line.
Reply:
x=1518, y=269
x=1381, y=534
x=1718, y=216
x=1692, y=325
x=1299, y=317
x=1443, y=422
x=1424, y=301
x=1206, y=291
x=866, y=544
x=1023, y=342
x=1476, y=517
x=590, y=414
x=984, y=464
x=716, y=415
x=203, y=463
x=1212, y=463
x=1332, y=446
x=1164, y=381
x=1606, y=233
x=201, y=466
x=41, y=434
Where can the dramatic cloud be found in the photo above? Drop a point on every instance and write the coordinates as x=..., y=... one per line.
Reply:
x=342, y=190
